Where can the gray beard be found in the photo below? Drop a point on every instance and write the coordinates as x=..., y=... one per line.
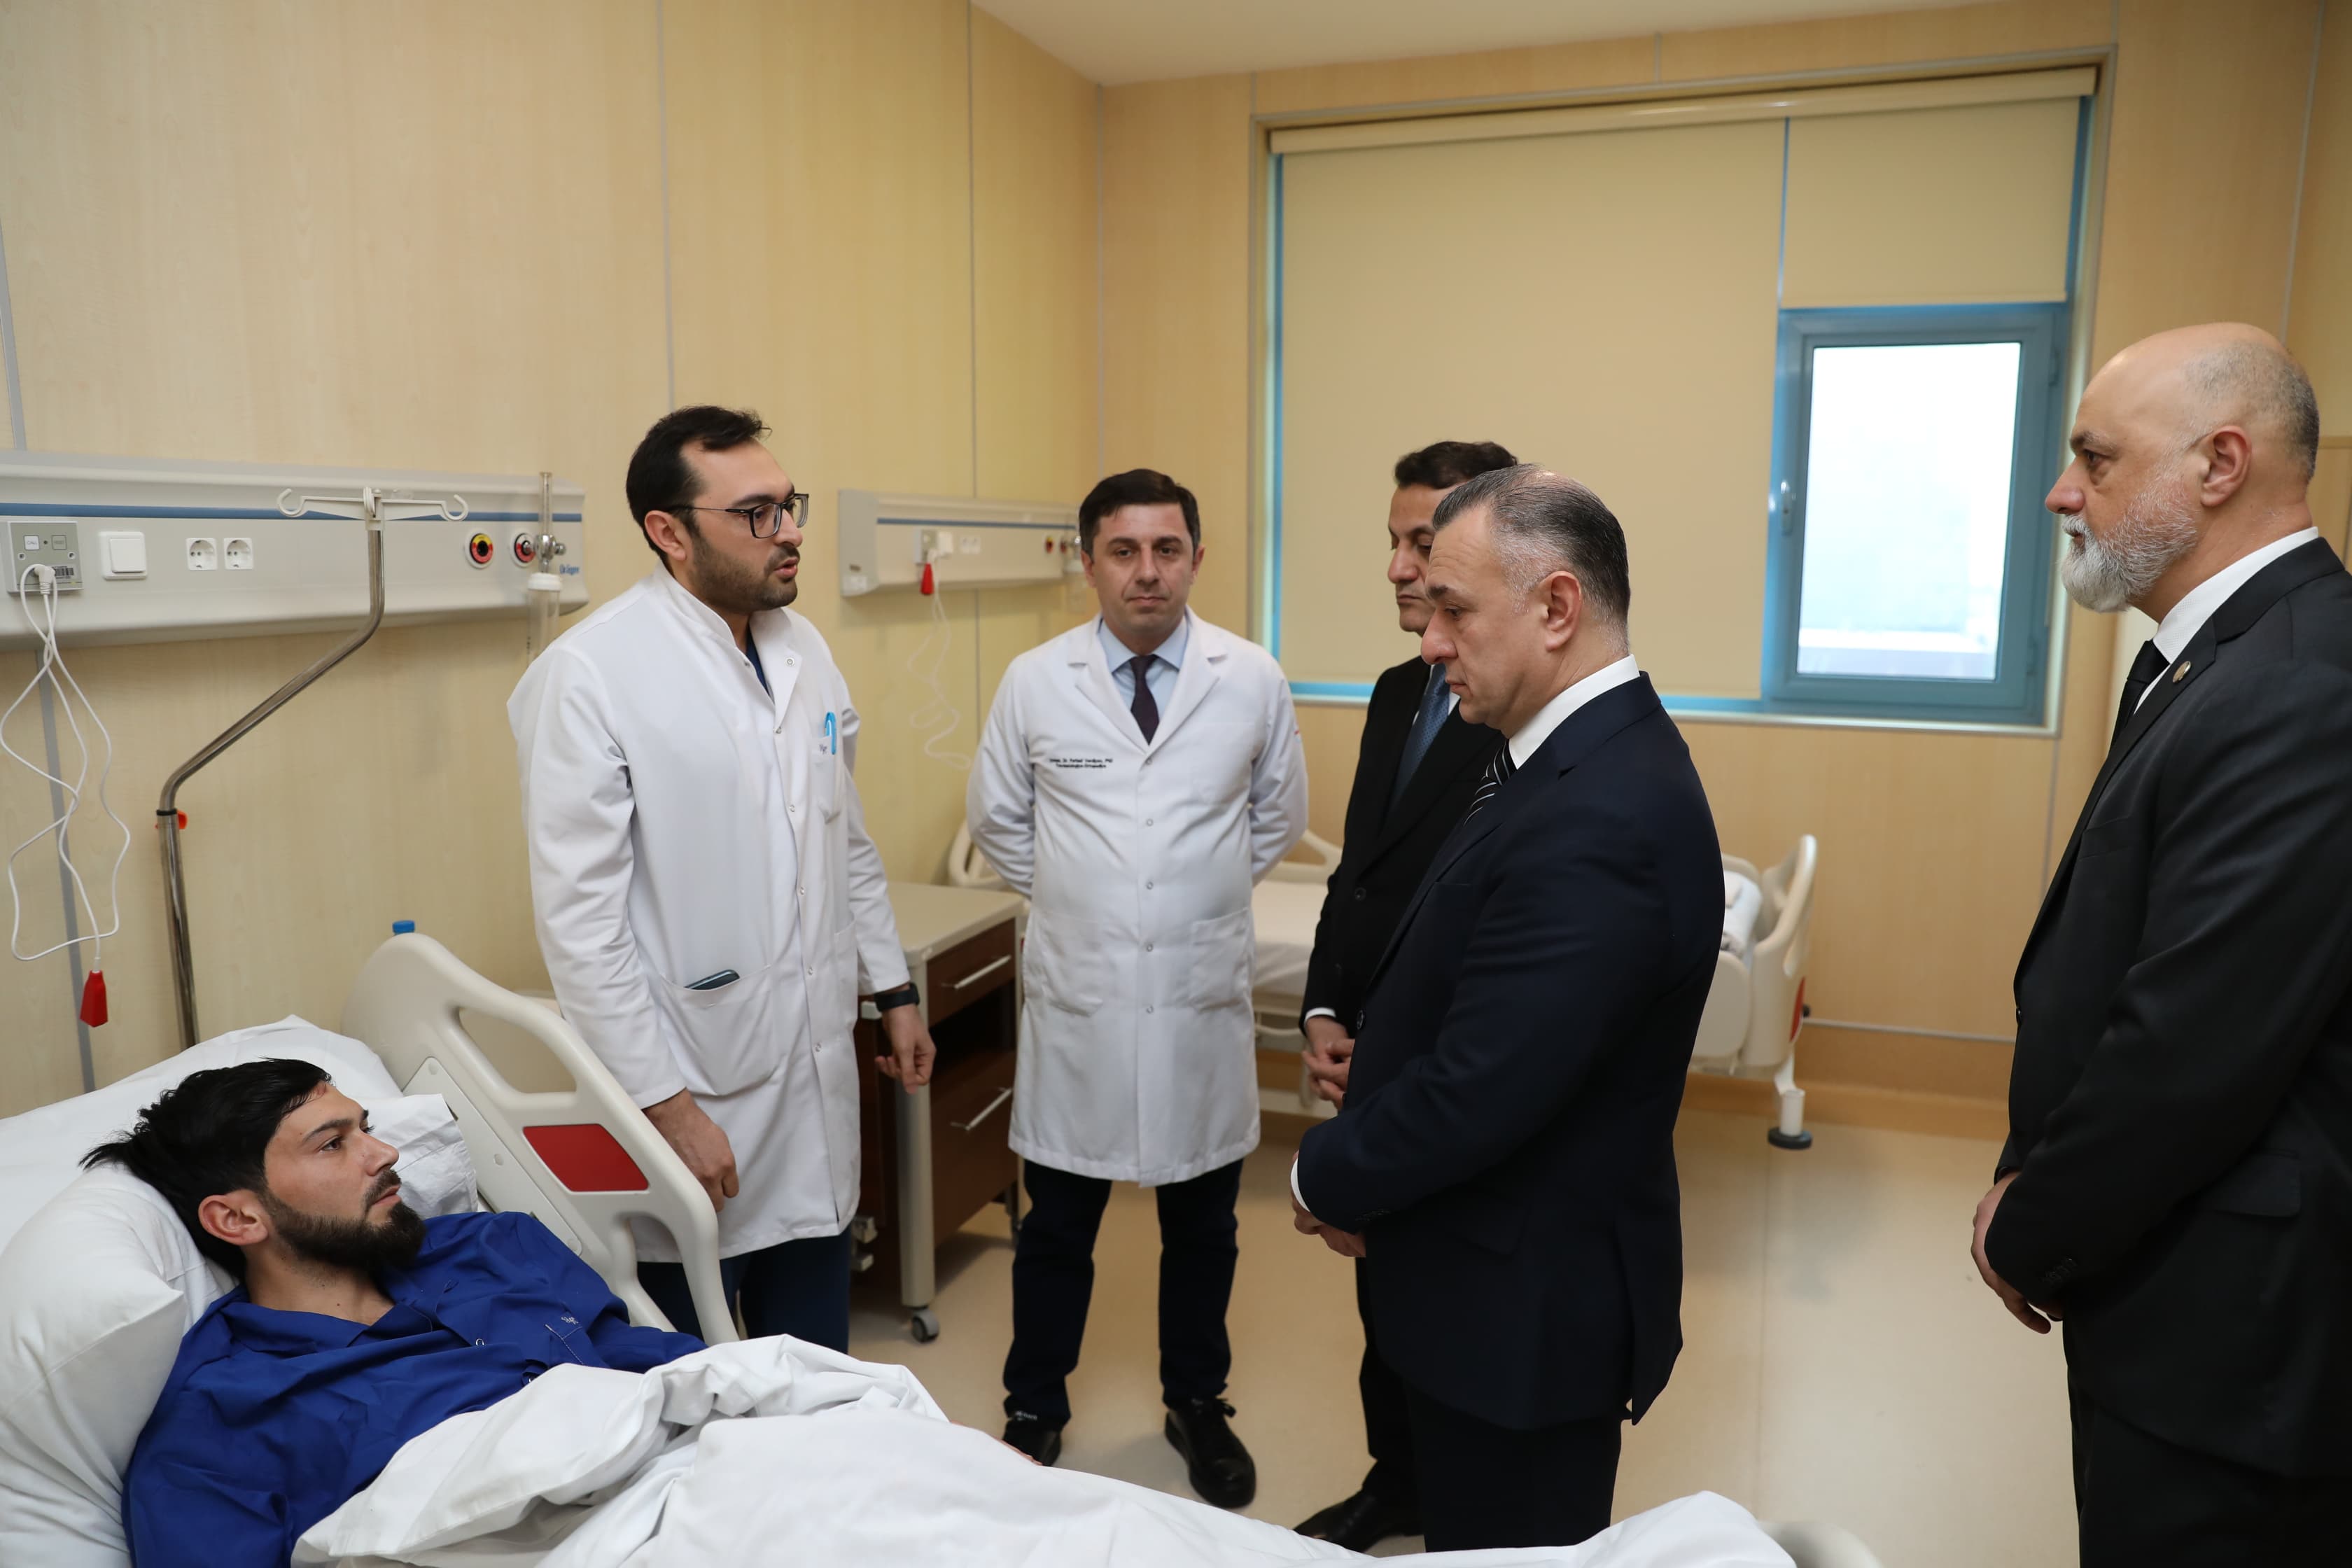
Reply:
x=2156, y=531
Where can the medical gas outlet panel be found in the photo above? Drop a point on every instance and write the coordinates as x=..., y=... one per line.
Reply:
x=143, y=550
x=888, y=541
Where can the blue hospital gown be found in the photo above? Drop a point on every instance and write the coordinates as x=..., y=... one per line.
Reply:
x=270, y=1420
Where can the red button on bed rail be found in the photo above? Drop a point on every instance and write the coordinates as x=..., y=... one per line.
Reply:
x=586, y=1158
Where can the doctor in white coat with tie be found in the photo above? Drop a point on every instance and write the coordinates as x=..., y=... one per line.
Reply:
x=1137, y=777
x=709, y=903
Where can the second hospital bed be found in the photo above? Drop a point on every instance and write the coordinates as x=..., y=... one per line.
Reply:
x=1755, y=1008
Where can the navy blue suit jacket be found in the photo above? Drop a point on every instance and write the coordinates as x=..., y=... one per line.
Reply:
x=1508, y=1143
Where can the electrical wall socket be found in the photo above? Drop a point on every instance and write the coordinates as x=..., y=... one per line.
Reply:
x=236, y=555
x=204, y=554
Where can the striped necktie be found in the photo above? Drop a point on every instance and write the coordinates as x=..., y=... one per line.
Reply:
x=1499, y=773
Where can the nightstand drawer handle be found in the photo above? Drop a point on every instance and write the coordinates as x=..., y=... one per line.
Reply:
x=984, y=969
x=1001, y=1096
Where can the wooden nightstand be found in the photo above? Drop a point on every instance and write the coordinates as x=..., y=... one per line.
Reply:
x=933, y=1158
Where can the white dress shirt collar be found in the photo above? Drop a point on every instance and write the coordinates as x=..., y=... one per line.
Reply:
x=1554, y=713
x=2197, y=606
x=1171, y=650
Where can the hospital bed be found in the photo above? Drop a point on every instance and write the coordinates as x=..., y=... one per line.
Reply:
x=92, y=1316
x=91, y=1311
x=1755, y=1008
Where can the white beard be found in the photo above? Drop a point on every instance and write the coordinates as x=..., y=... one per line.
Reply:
x=2156, y=530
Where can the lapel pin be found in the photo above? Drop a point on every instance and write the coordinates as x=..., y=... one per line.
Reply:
x=2180, y=674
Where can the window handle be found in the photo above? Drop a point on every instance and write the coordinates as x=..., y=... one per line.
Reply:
x=1788, y=509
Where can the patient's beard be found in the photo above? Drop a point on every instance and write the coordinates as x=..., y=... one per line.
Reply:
x=365, y=1243
x=2156, y=530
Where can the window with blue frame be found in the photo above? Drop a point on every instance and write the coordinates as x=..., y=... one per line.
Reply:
x=1908, y=570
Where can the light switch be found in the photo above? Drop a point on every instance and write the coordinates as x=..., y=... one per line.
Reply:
x=122, y=554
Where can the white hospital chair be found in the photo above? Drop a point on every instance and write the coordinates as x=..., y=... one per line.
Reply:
x=1756, y=1008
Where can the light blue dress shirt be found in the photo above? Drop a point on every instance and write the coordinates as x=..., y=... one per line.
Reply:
x=1159, y=674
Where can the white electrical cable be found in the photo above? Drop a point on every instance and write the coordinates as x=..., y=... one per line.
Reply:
x=939, y=717
x=53, y=669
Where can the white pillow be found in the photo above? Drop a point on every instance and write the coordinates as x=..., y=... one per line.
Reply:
x=100, y=1284
x=41, y=1149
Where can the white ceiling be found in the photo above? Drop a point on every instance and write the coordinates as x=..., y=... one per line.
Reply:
x=1113, y=41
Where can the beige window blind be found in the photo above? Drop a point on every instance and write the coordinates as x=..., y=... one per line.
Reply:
x=1597, y=289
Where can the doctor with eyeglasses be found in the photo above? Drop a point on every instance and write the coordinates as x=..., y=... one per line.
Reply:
x=707, y=898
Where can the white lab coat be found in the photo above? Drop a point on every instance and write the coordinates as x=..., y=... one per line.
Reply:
x=682, y=822
x=1138, y=1045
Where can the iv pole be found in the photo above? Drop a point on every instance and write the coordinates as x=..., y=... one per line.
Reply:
x=371, y=505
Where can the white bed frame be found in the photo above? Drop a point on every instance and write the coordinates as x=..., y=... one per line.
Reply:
x=584, y=1161
x=1756, y=1009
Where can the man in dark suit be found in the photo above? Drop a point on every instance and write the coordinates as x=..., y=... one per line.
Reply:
x=1504, y=1161
x=1415, y=769
x=2178, y=1182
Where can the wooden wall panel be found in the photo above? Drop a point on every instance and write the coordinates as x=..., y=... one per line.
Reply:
x=1886, y=38
x=1036, y=264
x=821, y=266
x=883, y=236
x=426, y=236
x=1931, y=857
x=1331, y=736
x=2209, y=98
x=1176, y=308
x=2319, y=319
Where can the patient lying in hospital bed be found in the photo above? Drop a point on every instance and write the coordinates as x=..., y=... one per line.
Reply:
x=380, y=1387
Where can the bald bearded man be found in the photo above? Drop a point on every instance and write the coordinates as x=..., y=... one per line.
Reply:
x=2178, y=1182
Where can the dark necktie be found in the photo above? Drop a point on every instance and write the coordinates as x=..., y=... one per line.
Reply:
x=1146, y=711
x=1499, y=773
x=1425, y=725
x=2144, y=670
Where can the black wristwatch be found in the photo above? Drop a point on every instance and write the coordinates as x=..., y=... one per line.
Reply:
x=897, y=996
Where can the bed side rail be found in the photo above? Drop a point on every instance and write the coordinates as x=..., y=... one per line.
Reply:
x=585, y=1162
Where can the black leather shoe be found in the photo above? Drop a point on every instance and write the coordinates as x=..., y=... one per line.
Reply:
x=1035, y=1436
x=1362, y=1522
x=1220, y=1468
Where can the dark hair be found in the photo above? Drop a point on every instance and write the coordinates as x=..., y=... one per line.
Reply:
x=1547, y=523
x=1446, y=464
x=1137, y=486
x=211, y=1135
x=661, y=479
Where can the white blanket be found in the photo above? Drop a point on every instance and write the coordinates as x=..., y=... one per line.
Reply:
x=775, y=1453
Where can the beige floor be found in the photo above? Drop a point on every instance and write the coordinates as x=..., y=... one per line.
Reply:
x=1841, y=1362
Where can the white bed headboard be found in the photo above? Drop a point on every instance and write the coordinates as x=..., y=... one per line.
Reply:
x=584, y=1161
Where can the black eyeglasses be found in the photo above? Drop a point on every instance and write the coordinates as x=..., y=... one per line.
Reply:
x=765, y=518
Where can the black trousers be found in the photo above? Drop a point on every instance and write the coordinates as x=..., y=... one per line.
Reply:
x=1054, y=1281
x=1387, y=1419
x=796, y=1288
x=1487, y=1486
x=2139, y=1500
